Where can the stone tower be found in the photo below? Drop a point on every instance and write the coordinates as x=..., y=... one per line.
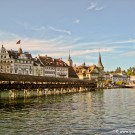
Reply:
x=20, y=50
x=100, y=65
x=69, y=60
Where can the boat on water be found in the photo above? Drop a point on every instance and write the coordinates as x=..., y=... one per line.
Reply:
x=129, y=86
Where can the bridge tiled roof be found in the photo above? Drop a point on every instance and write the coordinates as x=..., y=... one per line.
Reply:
x=30, y=78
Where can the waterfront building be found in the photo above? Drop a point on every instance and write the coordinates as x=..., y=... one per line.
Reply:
x=38, y=68
x=92, y=72
x=15, y=62
x=119, y=77
x=132, y=78
x=19, y=62
x=52, y=67
x=23, y=62
x=87, y=72
x=6, y=61
x=107, y=76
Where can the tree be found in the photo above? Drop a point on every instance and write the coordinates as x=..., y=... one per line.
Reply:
x=131, y=71
x=118, y=70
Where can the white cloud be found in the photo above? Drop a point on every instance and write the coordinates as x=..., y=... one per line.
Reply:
x=60, y=30
x=90, y=51
x=99, y=8
x=76, y=21
x=129, y=53
x=55, y=47
x=38, y=28
x=95, y=6
x=29, y=26
x=59, y=47
x=124, y=41
x=5, y=36
x=92, y=6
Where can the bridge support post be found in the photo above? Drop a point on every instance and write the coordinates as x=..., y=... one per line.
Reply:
x=61, y=91
x=12, y=94
x=28, y=92
x=74, y=90
x=49, y=92
x=40, y=92
x=57, y=91
x=81, y=89
x=64, y=90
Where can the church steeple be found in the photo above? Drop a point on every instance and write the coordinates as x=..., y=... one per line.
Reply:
x=69, y=60
x=100, y=65
x=69, y=56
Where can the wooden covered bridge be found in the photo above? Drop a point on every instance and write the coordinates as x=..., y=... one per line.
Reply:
x=42, y=85
x=13, y=81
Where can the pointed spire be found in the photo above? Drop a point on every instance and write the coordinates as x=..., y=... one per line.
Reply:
x=69, y=55
x=69, y=60
x=84, y=64
x=100, y=61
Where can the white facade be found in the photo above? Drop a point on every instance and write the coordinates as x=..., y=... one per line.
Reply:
x=132, y=78
x=50, y=71
x=62, y=72
x=6, y=62
x=17, y=62
x=23, y=66
x=38, y=70
x=53, y=67
x=119, y=78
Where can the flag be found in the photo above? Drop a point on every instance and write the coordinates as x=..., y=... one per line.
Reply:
x=18, y=42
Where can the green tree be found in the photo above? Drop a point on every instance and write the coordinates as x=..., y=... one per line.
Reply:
x=131, y=71
x=118, y=70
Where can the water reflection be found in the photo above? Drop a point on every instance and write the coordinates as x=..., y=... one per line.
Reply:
x=91, y=113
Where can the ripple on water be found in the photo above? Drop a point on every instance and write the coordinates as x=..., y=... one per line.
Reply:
x=90, y=113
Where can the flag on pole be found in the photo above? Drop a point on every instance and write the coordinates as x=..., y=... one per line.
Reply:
x=18, y=42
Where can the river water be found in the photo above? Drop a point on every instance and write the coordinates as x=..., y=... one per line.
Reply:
x=100, y=112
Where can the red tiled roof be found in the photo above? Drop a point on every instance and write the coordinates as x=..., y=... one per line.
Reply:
x=72, y=73
x=45, y=60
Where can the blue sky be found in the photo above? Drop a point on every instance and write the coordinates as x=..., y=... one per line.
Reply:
x=54, y=27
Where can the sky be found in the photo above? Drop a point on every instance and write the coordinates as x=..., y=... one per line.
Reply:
x=53, y=27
